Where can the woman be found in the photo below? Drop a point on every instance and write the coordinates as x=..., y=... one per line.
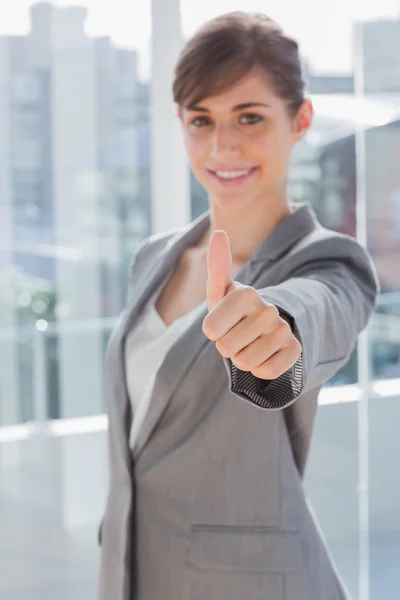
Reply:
x=232, y=325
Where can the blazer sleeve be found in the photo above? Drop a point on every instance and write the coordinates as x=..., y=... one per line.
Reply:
x=328, y=298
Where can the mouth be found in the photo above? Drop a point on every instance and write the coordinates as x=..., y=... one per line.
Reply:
x=231, y=177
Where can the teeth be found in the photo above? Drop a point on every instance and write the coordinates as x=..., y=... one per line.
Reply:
x=232, y=174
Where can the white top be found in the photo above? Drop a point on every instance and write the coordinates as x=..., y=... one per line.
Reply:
x=146, y=347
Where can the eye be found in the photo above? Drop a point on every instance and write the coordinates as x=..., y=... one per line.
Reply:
x=250, y=119
x=200, y=122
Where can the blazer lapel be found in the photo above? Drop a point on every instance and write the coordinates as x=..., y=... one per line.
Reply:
x=144, y=287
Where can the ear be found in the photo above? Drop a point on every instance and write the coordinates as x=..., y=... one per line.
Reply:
x=179, y=113
x=303, y=119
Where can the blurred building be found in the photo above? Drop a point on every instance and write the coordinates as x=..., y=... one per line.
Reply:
x=320, y=83
x=71, y=146
x=75, y=203
x=377, y=55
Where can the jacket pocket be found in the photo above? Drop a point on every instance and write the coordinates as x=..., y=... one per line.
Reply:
x=245, y=548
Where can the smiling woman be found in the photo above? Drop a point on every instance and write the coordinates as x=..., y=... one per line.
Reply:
x=252, y=306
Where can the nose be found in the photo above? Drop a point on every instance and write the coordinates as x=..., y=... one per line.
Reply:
x=224, y=142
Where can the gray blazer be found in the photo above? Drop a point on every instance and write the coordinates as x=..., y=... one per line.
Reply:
x=211, y=504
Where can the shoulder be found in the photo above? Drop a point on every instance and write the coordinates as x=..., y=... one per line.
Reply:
x=153, y=247
x=325, y=243
x=157, y=243
x=323, y=249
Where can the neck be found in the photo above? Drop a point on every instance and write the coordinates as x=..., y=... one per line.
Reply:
x=246, y=228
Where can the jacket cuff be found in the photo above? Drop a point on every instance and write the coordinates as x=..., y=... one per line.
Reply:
x=271, y=394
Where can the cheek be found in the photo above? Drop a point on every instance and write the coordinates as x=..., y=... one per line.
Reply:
x=196, y=151
x=272, y=150
x=263, y=149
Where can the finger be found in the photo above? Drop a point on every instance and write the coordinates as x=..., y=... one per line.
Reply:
x=279, y=363
x=255, y=353
x=219, y=265
x=238, y=339
x=242, y=312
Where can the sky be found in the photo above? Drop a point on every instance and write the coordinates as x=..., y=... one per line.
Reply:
x=324, y=29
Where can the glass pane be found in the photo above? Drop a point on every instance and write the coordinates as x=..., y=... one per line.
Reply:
x=382, y=155
x=384, y=413
x=74, y=205
x=75, y=182
x=324, y=173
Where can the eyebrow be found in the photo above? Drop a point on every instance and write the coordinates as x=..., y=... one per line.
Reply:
x=235, y=108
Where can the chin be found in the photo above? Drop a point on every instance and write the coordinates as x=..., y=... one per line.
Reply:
x=231, y=202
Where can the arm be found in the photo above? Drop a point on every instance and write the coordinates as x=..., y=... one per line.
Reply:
x=328, y=297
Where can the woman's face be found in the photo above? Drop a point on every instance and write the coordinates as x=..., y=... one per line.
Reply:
x=239, y=142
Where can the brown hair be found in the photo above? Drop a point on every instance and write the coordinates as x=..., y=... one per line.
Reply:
x=226, y=48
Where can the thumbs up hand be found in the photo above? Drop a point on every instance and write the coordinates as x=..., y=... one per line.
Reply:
x=247, y=329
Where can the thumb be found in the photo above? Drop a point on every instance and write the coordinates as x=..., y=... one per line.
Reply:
x=219, y=265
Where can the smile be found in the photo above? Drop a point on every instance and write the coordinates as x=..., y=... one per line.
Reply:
x=233, y=176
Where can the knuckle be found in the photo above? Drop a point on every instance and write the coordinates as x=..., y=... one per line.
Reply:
x=297, y=346
x=245, y=292
x=207, y=328
x=249, y=294
x=271, y=311
x=241, y=364
x=224, y=348
x=246, y=362
x=245, y=289
x=284, y=329
x=270, y=372
x=275, y=312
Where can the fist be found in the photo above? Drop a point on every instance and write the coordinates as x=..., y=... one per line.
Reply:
x=245, y=328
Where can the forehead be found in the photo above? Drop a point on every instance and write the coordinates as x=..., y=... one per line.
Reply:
x=254, y=87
